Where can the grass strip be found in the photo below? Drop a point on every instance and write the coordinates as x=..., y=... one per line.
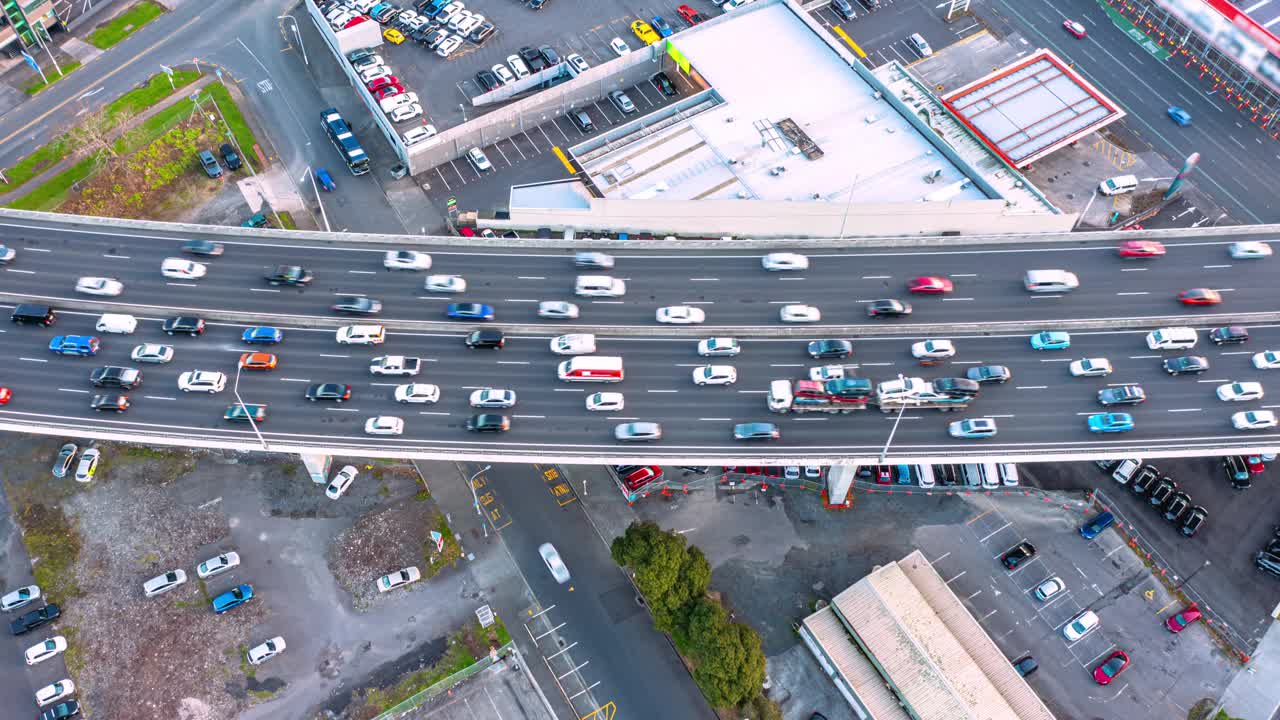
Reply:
x=245, y=138
x=125, y=24
x=37, y=86
x=53, y=193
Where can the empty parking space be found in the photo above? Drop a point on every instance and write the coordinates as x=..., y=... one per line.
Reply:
x=882, y=33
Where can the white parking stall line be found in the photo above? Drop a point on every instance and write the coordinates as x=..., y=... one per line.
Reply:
x=957, y=577
x=550, y=142
x=532, y=144
x=505, y=159
x=993, y=532
x=975, y=594
x=639, y=90
x=517, y=147
x=442, y=179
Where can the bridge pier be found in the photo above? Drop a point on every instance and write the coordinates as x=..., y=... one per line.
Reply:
x=317, y=466
x=839, y=481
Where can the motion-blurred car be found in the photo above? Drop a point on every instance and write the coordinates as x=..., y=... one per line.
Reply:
x=1074, y=28
x=1140, y=249
x=782, y=262
x=262, y=336
x=1249, y=250
x=1200, y=296
x=930, y=285
x=108, y=287
x=1051, y=340
x=799, y=314
x=417, y=393
x=1110, y=422
x=554, y=564
x=1179, y=116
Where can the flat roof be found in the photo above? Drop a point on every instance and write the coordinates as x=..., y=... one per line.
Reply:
x=1028, y=109
x=739, y=149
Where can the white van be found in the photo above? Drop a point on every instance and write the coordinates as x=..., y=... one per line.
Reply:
x=1118, y=185
x=119, y=324
x=990, y=476
x=1050, y=281
x=920, y=44
x=1172, y=338
x=361, y=335
x=600, y=286
x=591, y=368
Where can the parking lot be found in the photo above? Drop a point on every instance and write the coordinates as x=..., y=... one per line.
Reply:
x=882, y=34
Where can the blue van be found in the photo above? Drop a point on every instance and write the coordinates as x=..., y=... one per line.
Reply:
x=1094, y=527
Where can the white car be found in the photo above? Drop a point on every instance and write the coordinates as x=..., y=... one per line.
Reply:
x=1253, y=420
x=1049, y=589
x=558, y=310
x=823, y=373
x=405, y=112
x=391, y=103
x=1267, y=360
x=259, y=654
x=479, y=160
x=933, y=349
x=449, y=12
x=503, y=74
x=202, y=381
x=620, y=46
x=450, y=44
x=719, y=347
x=554, y=563
x=799, y=314
x=575, y=344
x=780, y=262
x=1240, y=391
x=88, y=466
x=373, y=72
x=218, y=564
x=445, y=284
x=406, y=260
x=341, y=482
x=417, y=393
x=493, y=398
x=99, y=286
x=20, y=597
x=182, y=269
x=415, y=135
x=399, y=579
x=466, y=26
x=518, y=67
x=150, y=353
x=45, y=650
x=1091, y=367
x=1080, y=625
x=715, y=375
x=605, y=402
x=384, y=425
x=161, y=584
x=1249, y=250
x=680, y=315
x=56, y=691
x=457, y=18
x=577, y=62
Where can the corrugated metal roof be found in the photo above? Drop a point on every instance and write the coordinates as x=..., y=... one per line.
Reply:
x=857, y=671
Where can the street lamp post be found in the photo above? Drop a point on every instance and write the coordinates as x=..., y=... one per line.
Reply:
x=235, y=390
x=476, y=498
x=884, y=452
x=323, y=216
x=195, y=97
x=297, y=34
x=1193, y=574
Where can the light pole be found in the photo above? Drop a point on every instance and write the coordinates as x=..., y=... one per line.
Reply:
x=297, y=35
x=885, y=451
x=323, y=215
x=1193, y=574
x=476, y=498
x=235, y=390
x=195, y=97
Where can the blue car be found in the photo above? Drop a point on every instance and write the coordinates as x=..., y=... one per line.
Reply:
x=325, y=179
x=74, y=345
x=232, y=598
x=1050, y=340
x=1179, y=116
x=1110, y=422
x=468, y=311
x=661, y=26
x=1094, y=527
x=262, y=336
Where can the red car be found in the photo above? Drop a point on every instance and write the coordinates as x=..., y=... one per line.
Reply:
x=1255, y=463
x=1182, y=619
x=1140, y=249
x=1116, y=663
x=637, y=479
x=1074, y=28
x=1199, y=296
x=355, y=21
x=5, y=394
x=930, y=285
x=387, y=91
x=691, y=16
x=884, y=475
x=382, y=82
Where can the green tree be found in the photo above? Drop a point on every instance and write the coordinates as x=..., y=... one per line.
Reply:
x=729, y=660
x=668, y=574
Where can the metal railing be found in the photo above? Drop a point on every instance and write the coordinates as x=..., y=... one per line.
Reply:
x=448, y=683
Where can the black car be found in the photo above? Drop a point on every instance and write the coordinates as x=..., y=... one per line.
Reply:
x=203, y=248
x=1237, y=472
x=1161, y=491
x=946, y=475
x=102, y=403
x=488, y=422
x=289, y=275
x=184, y=325
x=1020, y=554
x=1193, y=521
x=1268, y=563
x=1177, y=506
x=356, y=305
x=230, y=157
x=436, y=37
x=1025, y=665
x=336, y=392
x=116, y=377
x=1232, y=335
x=61, y=711
x=482, y=33
x=486, y=339
x=823, y=349
x=533, y=59
x=664, y=84
x=956, y=387
x=549, y=55
x=1143, y=479
x=888, y=308
x=845, y=11
x=1187, y=364
x=1122, y=395
x=989, y=373
x=488, y=80
x=35, y=618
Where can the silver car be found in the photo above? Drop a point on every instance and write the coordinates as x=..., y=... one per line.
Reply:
x=493, y=398
x=152, y=353
x=554, y=563
x=637, y=432
x=557, y=309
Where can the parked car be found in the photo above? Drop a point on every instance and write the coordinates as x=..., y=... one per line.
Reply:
x=1018, y=555
x=1094, y=527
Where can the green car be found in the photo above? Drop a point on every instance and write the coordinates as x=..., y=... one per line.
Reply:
x=243, y=413
x=257, y=220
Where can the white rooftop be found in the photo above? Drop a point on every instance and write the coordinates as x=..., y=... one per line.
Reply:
x=769, y=65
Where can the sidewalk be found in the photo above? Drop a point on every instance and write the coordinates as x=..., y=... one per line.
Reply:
x=1254, y=693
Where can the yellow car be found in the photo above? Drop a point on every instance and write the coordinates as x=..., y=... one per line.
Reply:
x=393, y=36
x=645, y=32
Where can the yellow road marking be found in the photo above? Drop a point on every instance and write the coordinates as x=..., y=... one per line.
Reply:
x=604, y=712
x=976, y=518
x=568, y=166
x=848, y=40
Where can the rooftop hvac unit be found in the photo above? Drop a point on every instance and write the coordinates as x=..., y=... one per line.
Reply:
x=870, y=119
x=877, y=95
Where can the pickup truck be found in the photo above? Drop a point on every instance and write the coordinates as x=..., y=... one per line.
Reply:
x=395, y=365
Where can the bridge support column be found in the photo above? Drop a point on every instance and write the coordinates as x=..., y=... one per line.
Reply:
x=839, y=481
x=317, y=466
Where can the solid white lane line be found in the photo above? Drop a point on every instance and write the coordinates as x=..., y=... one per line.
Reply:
x=181, y=284
x=753, y=392
x=158, y=397
x=876, y=277
x=1144, y=357
x=698, y=302
x=809, y=418
x=1185, y=410
x=363, y=272
x=1031, y=387
x=1237, y=352
x=875, y=364
x=570, y=389
x=786, y=365
x=715, y=419
x=662, y=391
x=24, y=272
x=791, y=278
x=704, y=279
x=334, y=356
x=1134, y=269
x=295, y=379
x=513, y=362
x=429, y=412
x=343, y=409
x=36, y=250
x=608, y=302
x=1214, y=267
x=531, y=417
x=519, y=300
x=433, y=297
x=957, y=299
x=44, y=360
x=1213, y=381
x=784, y=302
x=963, y=275
x=385, y=384
x=117, y=257
x=1134, y=293
x=73, y=390
x=274, y=290
x=530, y=277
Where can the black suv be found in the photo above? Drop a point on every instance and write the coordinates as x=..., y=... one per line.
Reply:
x=1231, y=335
x=1177, y=506
x=663, y=83
x=888, y=308
x=822, y=349
x=184, y=325
x=1143, y=479
x=1018, y=555
x=1161, y=491
x=118, y=403
x=486, y=339
x=116, y=377
x=33, y=314
x=533, y=59
x=1123, y=395
x=336, y=392
x=1194, y=364
x=488, y=80
x=1237, y=472
x=289, y=275
x=1267, y=563
x=1193, y=521
x=956, y=387
x=549, y=55
x=488, y=423
x=35, y=619
x=230, y=157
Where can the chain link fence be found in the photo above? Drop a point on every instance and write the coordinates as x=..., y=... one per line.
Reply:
x=448, y=683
